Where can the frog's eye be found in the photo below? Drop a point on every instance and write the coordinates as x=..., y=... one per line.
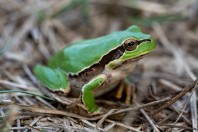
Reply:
x=130, y=44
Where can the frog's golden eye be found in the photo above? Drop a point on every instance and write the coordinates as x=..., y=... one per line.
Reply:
x=130, y=44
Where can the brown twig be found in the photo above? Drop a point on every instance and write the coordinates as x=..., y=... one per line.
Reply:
x=174, y=99
x=44, y=111
x=149, y=120
x=142, y=106
x=123, y=125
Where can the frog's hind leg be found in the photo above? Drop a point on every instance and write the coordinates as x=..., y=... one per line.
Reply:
x=53, y=79
x=88, y=95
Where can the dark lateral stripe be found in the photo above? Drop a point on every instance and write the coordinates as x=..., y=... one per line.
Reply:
x=112, y=55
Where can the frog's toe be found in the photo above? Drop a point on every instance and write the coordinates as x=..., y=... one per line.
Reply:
x=128, y=89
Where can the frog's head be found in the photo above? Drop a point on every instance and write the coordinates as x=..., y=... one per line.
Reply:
x=135, y=46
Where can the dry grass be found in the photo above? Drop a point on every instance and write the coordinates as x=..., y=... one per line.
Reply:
x=31, y=31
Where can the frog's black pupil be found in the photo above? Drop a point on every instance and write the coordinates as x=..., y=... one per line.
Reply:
x=131, y=43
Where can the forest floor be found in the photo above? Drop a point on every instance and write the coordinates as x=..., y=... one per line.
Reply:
x=164, y=83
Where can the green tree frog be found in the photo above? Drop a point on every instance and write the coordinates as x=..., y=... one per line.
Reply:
x=90, y=68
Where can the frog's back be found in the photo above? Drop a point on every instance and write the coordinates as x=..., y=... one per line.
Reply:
x=83, y=54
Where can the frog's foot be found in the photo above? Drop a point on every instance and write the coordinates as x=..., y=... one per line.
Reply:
x=128, y=87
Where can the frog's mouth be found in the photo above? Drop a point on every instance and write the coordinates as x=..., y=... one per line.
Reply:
x=129, y=61
x=138, y=58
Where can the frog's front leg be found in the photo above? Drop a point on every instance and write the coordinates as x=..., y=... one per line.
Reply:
x=88, y=95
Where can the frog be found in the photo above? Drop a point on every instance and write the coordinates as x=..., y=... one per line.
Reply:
x=90, y=68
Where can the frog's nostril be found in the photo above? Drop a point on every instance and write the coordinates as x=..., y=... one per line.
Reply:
x=143, y=40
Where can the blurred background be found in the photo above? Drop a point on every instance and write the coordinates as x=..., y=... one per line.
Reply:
x=32, y=30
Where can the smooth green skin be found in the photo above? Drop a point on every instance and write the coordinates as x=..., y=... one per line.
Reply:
x=87, y=94
x=81, y=55
x=54, y=79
